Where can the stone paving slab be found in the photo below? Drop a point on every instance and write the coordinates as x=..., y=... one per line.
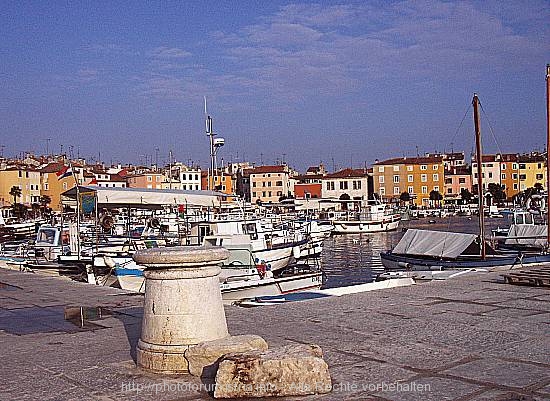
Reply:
x=464, y=339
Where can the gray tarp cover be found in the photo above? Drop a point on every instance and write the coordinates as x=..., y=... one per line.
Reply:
x=433, y=243
x=527, y=234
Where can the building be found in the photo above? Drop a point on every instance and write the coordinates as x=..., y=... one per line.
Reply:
x=352, y=183
x=222, y=182
x=52, y=186
x=418, y=176
x=500, y=169
x=270, y=183
x=27, y=179
x=150, y=180
x=457, y=179
x=532, y=170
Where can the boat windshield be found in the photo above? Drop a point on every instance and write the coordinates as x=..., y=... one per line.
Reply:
x=46, y=236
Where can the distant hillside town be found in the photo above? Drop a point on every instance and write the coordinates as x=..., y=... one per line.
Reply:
x=423, y=181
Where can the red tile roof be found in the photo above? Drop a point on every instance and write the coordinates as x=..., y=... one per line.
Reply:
x=411, y=160
x=348, y=173
x=268, y=169
x=52, y=168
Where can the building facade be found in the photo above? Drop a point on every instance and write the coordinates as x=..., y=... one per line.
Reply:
x=270, y=183
x=418, y=176
x=348, y=183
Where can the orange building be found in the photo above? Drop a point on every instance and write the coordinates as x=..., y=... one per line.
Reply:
x=222, y=182
x=416, y=175
x=52, y=186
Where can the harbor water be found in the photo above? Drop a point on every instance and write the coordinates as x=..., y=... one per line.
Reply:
x=352, y=259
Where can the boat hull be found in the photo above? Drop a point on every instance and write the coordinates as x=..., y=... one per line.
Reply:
x=402, y=262
x=358, y=227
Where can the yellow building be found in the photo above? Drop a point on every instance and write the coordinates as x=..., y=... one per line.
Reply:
x=416, y=175
x=26, y=179
x=532, y=170
x=52, y=186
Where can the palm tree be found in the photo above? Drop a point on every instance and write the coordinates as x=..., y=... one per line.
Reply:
x=436, y=196
x=405, y=197
x=16, y=192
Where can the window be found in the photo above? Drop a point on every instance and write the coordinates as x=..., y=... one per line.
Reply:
x=522, y=166
x=490, y=174
x=396, y=178
x=410, y=190
x=263, y=184
x=448, y=180
x=410, y=178
x=436, y=177
x=269, y=184
x=269, y=193
x=436, y=188
x=423, y=167
x=395, y=168
x=328, y=186
x=196, y=187
x=382, y=191
x=354, y=184
x=253, y=194
x=184, y=187
x=279, y=183
x=263, y=194
x=149, y=186
x=343, y=185
x=380, y=169
x=332, y=186
x=381, y=179
x=424, y=177
x=435, y=166
x=46, y=186
x=449, y=190
x=280, y=193
x=424, y=189
x=515, y=177
x=254, y=184
x=503, y=176
x=183, y=177
x=539, y=165
x=358, y=184
x=503, y=166
x=396, y=191
x=516, y=186
x=539, y=177
x=514, y=167
x=149, y=178
x=462, y=180
x=64, y=185
x=488, y=165
x=409, y=168
x=522, y=177
x=196, y=177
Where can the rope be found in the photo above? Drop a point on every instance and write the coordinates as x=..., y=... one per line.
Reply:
x=490, y=128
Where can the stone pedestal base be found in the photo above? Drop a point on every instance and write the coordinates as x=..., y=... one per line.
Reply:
x=166, y=359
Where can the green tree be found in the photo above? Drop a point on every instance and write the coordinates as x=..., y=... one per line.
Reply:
x=435, y=196
x=496, y=192
x=16, y=192
x=405, y=197
x=466, y=195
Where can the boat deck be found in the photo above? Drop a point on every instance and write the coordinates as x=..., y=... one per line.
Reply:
x=471, y=338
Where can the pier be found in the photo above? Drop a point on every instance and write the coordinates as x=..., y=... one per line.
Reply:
x=471, y=338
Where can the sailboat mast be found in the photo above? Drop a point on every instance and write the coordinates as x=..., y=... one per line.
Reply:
x=547, y=152
x=475, y=103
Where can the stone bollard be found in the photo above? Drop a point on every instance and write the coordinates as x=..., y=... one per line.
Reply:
x=183, y=304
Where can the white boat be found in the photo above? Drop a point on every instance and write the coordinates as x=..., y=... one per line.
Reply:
x=371, y=218
x=240, y=277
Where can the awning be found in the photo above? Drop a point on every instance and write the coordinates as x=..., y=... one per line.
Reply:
x=138, y=197
x=441, y=244
x=527, y=235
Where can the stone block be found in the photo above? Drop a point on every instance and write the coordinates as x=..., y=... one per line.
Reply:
x=203, y=358
x=292, y=370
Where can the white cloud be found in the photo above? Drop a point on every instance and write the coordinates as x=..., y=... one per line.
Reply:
x=164, y=52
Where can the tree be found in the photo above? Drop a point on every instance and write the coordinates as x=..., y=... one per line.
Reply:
x=16, y=192
x=496, y=192
x=466, y=195
x=435, y=196
x=405, y=197
x=45, y=200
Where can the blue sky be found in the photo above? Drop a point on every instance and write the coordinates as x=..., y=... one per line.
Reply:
x=339, y=82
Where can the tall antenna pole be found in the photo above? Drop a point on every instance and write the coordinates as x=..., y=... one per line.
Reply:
x=547, y=145
x=479, y=158
x=210, y=134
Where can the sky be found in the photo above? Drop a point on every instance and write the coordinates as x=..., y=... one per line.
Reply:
x=338, y=82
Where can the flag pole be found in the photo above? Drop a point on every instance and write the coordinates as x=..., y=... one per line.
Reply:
x=77, y=209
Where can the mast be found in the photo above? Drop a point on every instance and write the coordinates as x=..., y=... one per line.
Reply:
x=210, y=134
x=475, y=103
x=547, y=145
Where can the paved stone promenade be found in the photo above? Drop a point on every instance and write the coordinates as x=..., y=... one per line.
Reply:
x=465, y=339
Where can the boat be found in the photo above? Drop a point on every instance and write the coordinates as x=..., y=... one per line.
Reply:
x=441, y=250
x=241, y=276
x=371, y=217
